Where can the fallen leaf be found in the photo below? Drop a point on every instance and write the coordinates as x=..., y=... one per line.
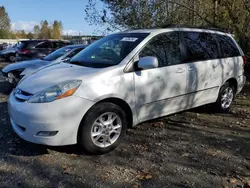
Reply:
x=144, y=176
x=135, y=186
x=185, y=155
x=67, y=169
x=233, y=180
x=158, y=124
x=64, y=166
x=74, y=155
x=147, y=177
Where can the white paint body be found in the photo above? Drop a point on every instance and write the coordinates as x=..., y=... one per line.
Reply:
x=149, y=93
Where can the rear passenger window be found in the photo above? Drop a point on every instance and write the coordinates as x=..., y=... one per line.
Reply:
x=59, y=45
x=44, y=45
x=165, y=47
x=200, y=46
x=228, y=47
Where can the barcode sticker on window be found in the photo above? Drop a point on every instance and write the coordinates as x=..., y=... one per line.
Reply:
x=129, y=39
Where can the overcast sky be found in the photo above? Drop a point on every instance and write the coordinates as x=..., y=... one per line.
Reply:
x=24, y=14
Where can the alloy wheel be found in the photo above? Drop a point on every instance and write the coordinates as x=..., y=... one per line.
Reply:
x=106, y=129
x=227, y=98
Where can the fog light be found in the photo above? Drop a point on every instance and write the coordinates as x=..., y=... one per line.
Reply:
x=47, y=133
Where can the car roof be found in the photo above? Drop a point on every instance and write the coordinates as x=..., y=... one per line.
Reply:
x=45, y=40
x=77, y=46
x=162, y=30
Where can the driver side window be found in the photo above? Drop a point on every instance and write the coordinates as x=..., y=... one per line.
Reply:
x=166, y=47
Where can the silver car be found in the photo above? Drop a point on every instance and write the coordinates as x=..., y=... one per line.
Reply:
x=14, y=72
x=125, y=79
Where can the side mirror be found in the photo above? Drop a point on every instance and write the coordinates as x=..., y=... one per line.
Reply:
x=66, y=60
x=148, y=62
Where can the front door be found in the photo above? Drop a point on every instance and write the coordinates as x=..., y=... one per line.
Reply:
x=161, y=91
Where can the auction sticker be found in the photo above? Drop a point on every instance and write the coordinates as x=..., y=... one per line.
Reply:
x=129, y=39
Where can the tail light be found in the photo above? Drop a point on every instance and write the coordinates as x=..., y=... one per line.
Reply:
x=244, y=60
x=24, y=51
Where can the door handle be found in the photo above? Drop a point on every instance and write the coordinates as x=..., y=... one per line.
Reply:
x=191, y=69
x=180, y=70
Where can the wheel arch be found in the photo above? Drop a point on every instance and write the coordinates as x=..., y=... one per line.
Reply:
x=119, y=102
x=233, y=82
x=123, y=105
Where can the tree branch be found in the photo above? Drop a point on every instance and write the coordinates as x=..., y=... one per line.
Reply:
x=245, y=2
x=194, y=11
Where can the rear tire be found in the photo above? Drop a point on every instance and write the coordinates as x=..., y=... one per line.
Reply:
x=225, y=98
x=102, y=128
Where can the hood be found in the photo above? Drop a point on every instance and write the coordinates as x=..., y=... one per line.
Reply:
x=52, y=75
x=33, y=64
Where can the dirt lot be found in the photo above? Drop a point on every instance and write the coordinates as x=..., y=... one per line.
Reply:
x=191, y=149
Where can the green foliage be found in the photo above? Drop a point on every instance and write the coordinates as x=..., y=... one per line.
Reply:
x=4, y=34
x=30, y=35
x=231, y=15
x=46, y=31
x=57, y=28
x=43, y=31
x=36, y=31
x=4, y=23
x=4, y=19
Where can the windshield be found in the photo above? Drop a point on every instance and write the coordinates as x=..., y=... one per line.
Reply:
x=56, y=54
x=108, y=51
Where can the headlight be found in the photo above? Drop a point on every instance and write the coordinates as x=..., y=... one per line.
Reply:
x=62, y=90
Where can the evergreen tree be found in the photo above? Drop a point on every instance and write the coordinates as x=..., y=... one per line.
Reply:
x=45, y=32
x=36, y=31
x=4, y=23
x=57, y=30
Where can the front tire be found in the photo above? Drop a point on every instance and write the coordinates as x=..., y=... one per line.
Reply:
x=12, y=58
x=225, y=98
x=102, y=128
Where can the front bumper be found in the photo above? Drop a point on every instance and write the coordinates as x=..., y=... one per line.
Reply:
x=62, y=116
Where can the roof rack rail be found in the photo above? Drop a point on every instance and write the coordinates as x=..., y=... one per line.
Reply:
x=196, y=27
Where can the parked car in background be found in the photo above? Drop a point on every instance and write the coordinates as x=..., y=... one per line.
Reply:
x=125, y=79
x=33, y=49
x=14, y=72
x=3, y=46
x=9, y=54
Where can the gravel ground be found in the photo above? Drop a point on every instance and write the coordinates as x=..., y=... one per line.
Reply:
x=196, y=148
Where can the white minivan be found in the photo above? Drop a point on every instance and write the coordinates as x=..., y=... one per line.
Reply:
x=125, y=79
